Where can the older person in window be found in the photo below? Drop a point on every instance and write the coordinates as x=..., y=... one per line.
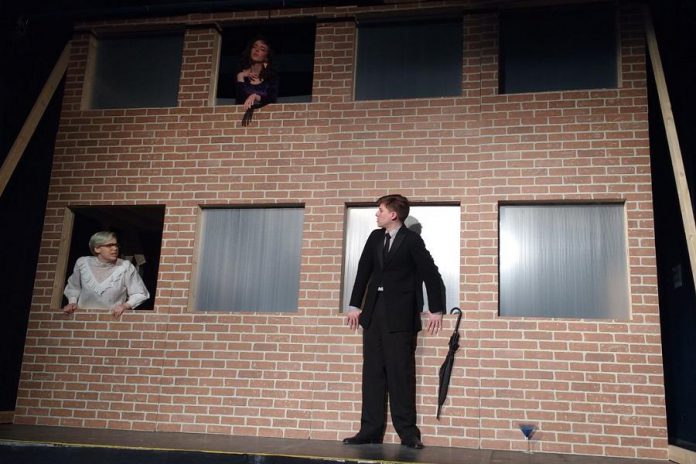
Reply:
x=104, y=280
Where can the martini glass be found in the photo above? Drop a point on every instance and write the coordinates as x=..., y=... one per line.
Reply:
x=528, y=432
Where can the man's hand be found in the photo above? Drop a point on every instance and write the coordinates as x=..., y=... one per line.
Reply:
x=353, y=319
x=434, y=323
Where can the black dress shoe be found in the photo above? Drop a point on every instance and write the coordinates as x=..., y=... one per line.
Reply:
x=412, y=442
x=361, y=440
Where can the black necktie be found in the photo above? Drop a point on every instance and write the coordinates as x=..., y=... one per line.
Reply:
x=385, y=250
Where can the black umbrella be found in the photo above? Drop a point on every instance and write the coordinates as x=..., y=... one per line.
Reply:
x=446, y=368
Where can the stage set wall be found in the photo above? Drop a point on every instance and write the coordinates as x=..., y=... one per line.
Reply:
x=593, y=387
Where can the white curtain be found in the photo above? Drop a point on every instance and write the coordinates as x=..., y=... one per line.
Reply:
x=249, y=259
x=563, y=261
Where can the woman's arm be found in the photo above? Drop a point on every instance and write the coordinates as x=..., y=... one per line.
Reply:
x=135, y=289
x=271, y=92
x=137, y=292
x=256, y=95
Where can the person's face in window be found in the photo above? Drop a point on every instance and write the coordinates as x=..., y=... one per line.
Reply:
x=107, y=252
x=259, y=52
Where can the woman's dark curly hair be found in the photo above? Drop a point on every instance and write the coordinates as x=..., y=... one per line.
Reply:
x=268, y=72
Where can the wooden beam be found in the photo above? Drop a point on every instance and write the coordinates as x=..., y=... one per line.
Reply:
x=687, y=211
x=215, y=72
x=90, y=71
x=37, y=111
x=681, y=455
x=61, y=275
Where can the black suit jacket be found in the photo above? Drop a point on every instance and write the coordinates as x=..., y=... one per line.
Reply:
x=402, y=274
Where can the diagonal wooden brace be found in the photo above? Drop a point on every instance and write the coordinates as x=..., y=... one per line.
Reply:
x=685, y=205
x=37, y=111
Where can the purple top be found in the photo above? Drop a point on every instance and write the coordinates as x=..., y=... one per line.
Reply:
x=267, y=90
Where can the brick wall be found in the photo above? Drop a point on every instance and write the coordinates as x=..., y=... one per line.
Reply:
x=594, y=387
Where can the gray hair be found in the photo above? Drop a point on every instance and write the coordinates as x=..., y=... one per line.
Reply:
x=100, y=238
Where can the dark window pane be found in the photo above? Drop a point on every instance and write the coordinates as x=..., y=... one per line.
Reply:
x=409, y=60
x=558, y=49
x=137, y=72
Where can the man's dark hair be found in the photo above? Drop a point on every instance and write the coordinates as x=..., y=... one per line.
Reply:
x=397, y=203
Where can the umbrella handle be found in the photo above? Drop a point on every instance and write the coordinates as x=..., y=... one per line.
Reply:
x=459, y=318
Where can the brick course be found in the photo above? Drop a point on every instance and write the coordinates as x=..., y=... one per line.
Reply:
x=595, y=387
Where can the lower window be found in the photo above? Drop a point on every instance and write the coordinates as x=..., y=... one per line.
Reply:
x=563, y=261
x=249, y=259
x=439, y=227
x=139, y=232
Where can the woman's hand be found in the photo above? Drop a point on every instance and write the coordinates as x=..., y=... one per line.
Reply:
x=251, y=101
x=242, y=74
x=69, y=308
x=119, y=309
x=253, y=76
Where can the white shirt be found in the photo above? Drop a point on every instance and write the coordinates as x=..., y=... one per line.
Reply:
x=95, y=284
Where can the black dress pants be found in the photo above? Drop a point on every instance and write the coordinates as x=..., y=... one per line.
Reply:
x=389, y=370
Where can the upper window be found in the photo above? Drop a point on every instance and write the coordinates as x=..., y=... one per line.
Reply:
x=136, y=71
x=249, y=259
x=558, y=48
x=291, y=48
x=563, y=261
x=409, y=59
x=438, y=226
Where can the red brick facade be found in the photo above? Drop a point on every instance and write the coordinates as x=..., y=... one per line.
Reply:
x=594, y=387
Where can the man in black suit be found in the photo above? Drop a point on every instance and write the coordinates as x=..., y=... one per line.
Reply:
x=388, y=286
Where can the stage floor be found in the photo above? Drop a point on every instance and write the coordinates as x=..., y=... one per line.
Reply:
x=21, y=444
